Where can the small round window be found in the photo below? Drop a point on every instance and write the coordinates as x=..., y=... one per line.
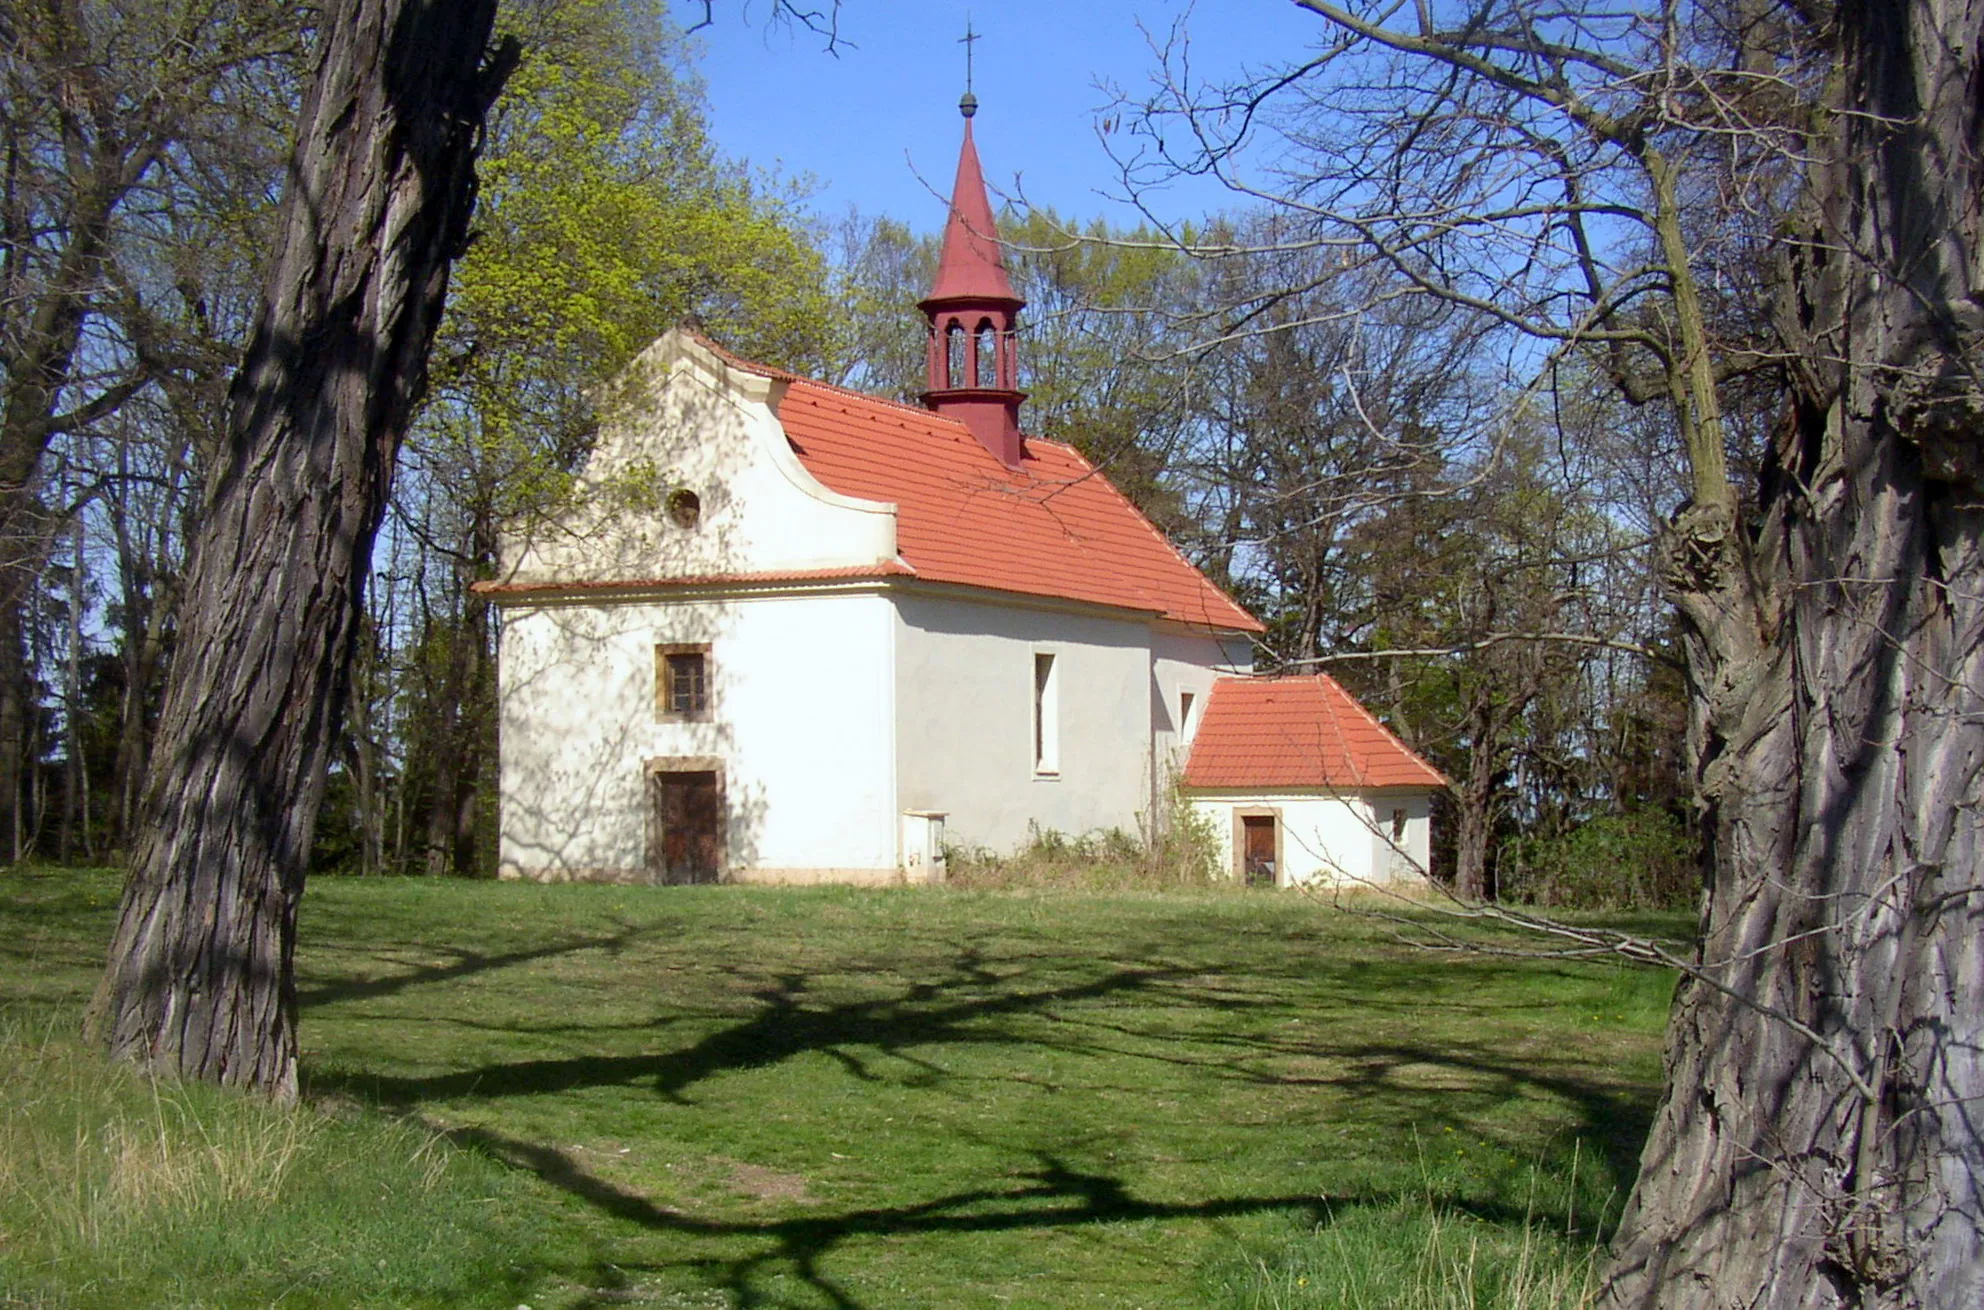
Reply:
x=685, y=508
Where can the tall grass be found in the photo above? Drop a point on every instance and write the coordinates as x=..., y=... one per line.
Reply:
x=1413, y=1255
x=118, y=1190
x=1423, y=1252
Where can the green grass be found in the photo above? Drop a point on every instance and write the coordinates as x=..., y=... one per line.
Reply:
x=828, y=1097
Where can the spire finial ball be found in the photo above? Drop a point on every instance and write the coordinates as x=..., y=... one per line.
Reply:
x=968, y=104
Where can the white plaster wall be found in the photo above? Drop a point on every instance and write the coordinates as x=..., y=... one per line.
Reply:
x=1330, y=840
x=680, y=418
x=1409, y=859
x=1184, y=661
x=800, y=710
x=965, y=726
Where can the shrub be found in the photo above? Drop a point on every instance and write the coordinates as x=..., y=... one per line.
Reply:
x=1645, y=859
x=1174, y=849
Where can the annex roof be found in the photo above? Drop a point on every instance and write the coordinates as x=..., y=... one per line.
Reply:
x=1053, y=526
x=1297, y=732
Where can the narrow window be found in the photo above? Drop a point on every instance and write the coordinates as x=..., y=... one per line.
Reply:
x=1185, y=724
x=1398, y=825
x=954, y=355
x=984, y=369
x=682, y=682
x=1046, y=714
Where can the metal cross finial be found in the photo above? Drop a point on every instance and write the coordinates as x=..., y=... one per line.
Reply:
x=969, y=104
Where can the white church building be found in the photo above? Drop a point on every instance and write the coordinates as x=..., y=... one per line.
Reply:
x=800, y=634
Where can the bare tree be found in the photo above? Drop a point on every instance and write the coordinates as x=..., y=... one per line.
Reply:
x=1602, y=181
x=116, y=121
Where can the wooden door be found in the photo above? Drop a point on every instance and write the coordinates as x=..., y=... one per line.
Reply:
x=1258, y=849
x=688, y=817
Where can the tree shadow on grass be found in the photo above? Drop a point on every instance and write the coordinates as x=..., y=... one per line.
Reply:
x=1053, y=1196
x=783, y=1027
x=955, y=1010
x=1124, y=1012
x=466, y=964
x=1618, y=1117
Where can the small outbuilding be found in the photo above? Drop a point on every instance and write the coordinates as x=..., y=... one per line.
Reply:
x=1303, y=786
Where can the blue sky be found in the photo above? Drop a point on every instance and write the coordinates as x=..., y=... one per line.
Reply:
x=877, y=125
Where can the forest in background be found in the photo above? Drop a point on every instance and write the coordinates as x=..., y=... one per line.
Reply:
x=1459, y=530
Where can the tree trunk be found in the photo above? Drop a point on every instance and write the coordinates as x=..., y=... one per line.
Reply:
x=478, y=730
x=199, y=980
x=14, y=703
x=1474, y=801
x=1818, y=1145
x=447, y=742
x=75, y=774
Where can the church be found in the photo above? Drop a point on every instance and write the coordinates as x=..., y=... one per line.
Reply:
x=795, y=633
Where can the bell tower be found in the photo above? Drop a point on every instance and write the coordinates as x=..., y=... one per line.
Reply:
x=974, y=357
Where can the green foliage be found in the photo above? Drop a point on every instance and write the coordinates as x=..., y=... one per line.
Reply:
x=606, y=217
x=1645, y=858
x=880, y=270
x=823, y=1096
x=1101, y=359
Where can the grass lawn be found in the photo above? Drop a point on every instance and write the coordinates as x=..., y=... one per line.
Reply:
x=838, y=1098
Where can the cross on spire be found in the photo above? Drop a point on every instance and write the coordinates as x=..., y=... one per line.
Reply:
x=969, y=104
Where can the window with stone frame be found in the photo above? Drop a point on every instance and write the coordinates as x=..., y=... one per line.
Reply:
x=682, y=681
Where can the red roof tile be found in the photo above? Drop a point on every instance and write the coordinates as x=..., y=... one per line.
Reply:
x=1054, y=526
x=1297, y=732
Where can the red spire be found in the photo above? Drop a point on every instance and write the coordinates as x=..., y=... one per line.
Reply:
x=974, y=354
x=971, y=266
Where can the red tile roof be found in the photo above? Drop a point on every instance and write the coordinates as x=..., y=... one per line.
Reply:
x=1053, y=526
x=1299, y=732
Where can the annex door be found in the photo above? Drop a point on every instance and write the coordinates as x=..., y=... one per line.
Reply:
x=1258, y=863
x=688, y=826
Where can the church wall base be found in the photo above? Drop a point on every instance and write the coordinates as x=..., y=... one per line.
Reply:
x=637, y=877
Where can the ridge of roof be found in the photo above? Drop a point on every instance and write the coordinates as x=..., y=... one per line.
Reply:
x=1375, y=722
x=778, y=374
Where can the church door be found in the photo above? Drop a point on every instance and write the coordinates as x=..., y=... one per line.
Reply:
x=1259, y=849
x=688, y=816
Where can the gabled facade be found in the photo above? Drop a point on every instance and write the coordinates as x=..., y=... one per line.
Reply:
x=795, y=633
